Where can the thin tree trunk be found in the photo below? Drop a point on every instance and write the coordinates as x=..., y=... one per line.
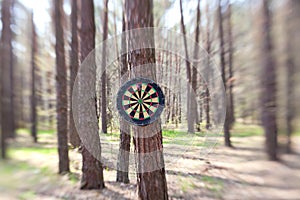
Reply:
x=268, y=84
x=208, y=49
x=190, y=114
x=290, y=71
x=223, y=66
x=7, y=123
x=92, y=170
x=194, y=106
x=33, y=93
x=73, y=135
x=103, y=72
x=6, y=48
x=230, y=65
x=124, y=148
x=151, y=184
x=12, y=133
x=61, y=89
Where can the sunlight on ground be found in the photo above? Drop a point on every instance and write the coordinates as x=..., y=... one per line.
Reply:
x=31, y=171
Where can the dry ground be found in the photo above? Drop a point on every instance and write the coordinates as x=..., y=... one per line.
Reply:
x=240, y=173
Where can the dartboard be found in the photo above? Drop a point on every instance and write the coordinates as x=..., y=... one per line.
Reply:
x=140, y=101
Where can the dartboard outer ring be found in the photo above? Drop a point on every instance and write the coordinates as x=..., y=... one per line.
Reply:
x=140, y=101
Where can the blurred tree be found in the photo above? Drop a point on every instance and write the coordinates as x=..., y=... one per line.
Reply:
x=92, y=170
x=268, y=83
x=190, y=114
x=7, y=118
x=103, y=71
x=61, y=89
x=230, y=80
x=290, y=71
x=151, y=184
x=73, y=135
x=194, y=71
x=223, y=67
x=33, y=79
x=208, y=50
x=124, y=147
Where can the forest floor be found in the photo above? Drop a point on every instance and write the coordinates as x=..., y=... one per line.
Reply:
x=239, y=173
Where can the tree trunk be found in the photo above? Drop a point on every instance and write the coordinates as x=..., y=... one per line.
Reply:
x=7, y=113
x=103, y=72
x=151, y=184
x=223, y=66
x=194, y=106
x=33, y=93
x=124, y=148
x=6, y=47
x=61, y=89
x=208, y=49
x=230, y=65
x=73, y=135
x=268, y=84
x=12, y=133
x=290, y=73
x=190, y=114
x=92, y=170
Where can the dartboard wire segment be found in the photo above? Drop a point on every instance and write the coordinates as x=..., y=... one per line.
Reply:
x=140, y=101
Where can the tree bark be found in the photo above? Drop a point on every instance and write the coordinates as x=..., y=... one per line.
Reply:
x=92, y=170
x=230, y=66
x=268, y=84
x=103, y=72
x=290, y=73
x=7, y=113
x=33, y=79
x=151, y=184
x=190, y=114
x=73, y=135
x=61, y=89
x=208, y=49
x=194, y=106
x=124, y=148
x=223, y=66
x=6, y=82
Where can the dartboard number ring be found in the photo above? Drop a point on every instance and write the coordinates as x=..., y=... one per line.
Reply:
x=140, y=101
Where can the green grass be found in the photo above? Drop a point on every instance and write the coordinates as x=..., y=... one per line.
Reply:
x=40, y=132
x=27, y=195
x=242, y=130
x=30, y=151
x=186, y=184
x=11, y=170
x=9, y=167
x=46, y=132
x=170, y=137
x=73, y=177
x=297, y=133
x=174, y=134
x=213, y=184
